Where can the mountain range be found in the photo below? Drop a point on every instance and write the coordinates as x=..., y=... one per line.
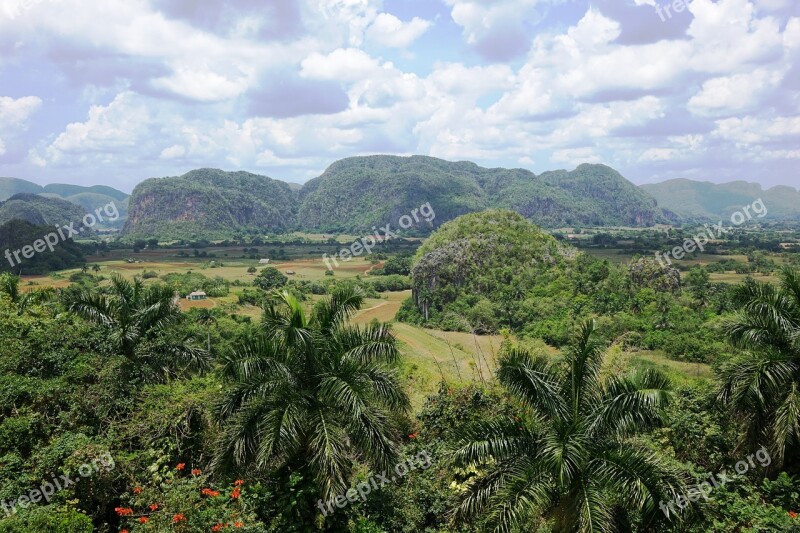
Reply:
x=358, y=194
x=703, y=200
x=88, y=198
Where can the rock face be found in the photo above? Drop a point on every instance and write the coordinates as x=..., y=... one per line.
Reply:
x=210, y=202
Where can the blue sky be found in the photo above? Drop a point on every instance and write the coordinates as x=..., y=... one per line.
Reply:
x=117, y=91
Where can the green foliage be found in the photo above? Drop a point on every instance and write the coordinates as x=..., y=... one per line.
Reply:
x=762, y=387
x=40, y=211
x=16, y=234
x=570, y=453
x=186, y=500
x=310, y=394
x=209, y=203
x=270, y=278
x=189, y=282
x=50, y=519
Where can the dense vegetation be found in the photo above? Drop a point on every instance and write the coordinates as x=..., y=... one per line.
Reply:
x=16, y=234
x=298, y=418
x=491, y=271
x=89, y=198
x=40, y=211
x=209, y=203
x=364, y=193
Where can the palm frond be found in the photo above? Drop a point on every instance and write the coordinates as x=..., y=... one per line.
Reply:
x=338, y=307
x=532, y=380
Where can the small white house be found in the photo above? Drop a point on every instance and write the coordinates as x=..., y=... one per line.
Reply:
x=197, y=295
x=264, y=262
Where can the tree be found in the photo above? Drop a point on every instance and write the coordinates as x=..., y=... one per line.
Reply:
x=252, y=270
x=134, y=314
x=698, y=280
x=9, y=284
x=96, y=268
x=762, y=387
x=84, y=268
x=206, y=318
x=569, y=456
x=310, y=394
x=270, y=278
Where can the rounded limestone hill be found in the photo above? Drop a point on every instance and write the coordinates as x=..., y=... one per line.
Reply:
x=474, y=267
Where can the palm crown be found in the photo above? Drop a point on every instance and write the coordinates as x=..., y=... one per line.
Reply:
x=572, y=456
x=134, y=313
x=312, y=393
x=763, y=386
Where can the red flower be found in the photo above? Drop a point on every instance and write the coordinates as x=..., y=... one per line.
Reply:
x=123, y=511
x=144, y=520
x=236, y=493
x=209, y=492
x=238, y=524
x=178, y=518
x=123, y=531
x=180, y=466
x=154, y=507
x=196, y=472
x=792, y=514
x=218, y=527
x=238, y=482
x=413, y=436
x=137, y=490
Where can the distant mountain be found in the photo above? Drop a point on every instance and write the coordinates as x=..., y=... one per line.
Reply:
x=11, y=186
x=210, y=203
x=40, y=211
x=360, y=193
x=89, y=198
x=357, y=193
x=65, y=191
x=701, y=200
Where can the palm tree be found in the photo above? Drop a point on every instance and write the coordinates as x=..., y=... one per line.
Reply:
x=762, y=387
x=570, y=456
x=134, y=314
x=96, y=268
x=312, y=393
x=206, y=318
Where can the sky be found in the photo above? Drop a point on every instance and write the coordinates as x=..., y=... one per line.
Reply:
x=117, y=91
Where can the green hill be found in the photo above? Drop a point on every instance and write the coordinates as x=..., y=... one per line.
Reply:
x=701, y=200
x=16, y=234
x=357, y=193
x=209, y=203
x=65, y=191
x=477, y=267
x=11, y=186
x=40, y=211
